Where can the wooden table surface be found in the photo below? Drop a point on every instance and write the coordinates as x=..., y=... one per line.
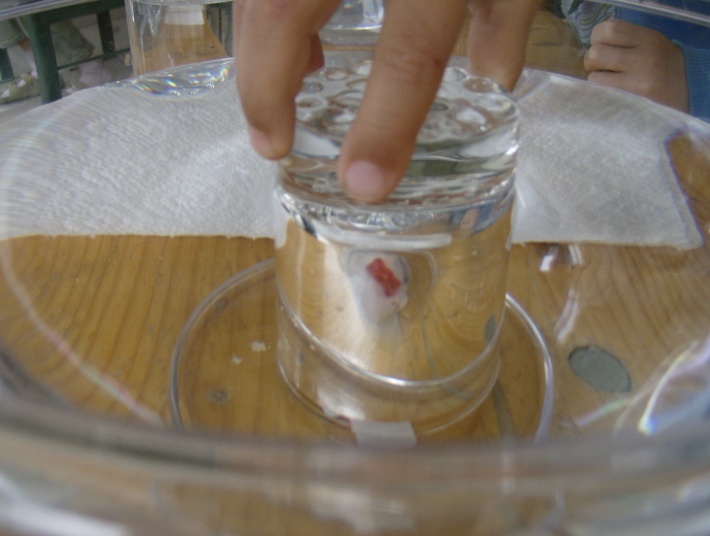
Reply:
x=95, y=318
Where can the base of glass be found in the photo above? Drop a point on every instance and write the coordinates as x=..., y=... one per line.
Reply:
x=225, y=377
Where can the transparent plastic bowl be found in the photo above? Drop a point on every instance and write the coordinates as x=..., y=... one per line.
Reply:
x=89, y=321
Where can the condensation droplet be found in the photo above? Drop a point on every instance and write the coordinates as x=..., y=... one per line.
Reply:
x=470, y=116
x=363, y=68
x=311, y=86
x=454, y=74
x=310, y=102
x=333, y=74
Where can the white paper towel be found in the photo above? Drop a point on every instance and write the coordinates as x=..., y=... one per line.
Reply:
x=593, y=166
x=114, y=160
x=117, y=161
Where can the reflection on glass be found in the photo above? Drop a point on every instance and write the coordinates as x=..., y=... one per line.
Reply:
x=678, y=394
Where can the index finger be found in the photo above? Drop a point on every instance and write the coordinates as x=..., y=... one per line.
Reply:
x=275, y=45
x=497, y=38
x=415, y=43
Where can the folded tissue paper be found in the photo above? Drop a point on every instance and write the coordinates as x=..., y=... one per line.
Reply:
x=116, y=160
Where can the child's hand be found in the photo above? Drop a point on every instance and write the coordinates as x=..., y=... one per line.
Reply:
x=276, y=44
x=639, y=60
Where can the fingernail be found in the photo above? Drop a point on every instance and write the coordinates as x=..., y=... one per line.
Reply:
x=260, y=142
x=365, y=181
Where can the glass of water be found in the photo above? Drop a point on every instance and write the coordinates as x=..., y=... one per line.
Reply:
x=170, y=33
x=355, y=23
x=390, y=313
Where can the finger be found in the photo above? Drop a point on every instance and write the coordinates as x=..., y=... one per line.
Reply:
x=615, y=32
x=601, y=57
x=276, y=44
x=414, y=47
x=497, y=38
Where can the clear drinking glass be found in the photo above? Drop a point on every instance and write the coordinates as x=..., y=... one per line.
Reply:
x=169, y=33
x=356, y=22
x=390, y=313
